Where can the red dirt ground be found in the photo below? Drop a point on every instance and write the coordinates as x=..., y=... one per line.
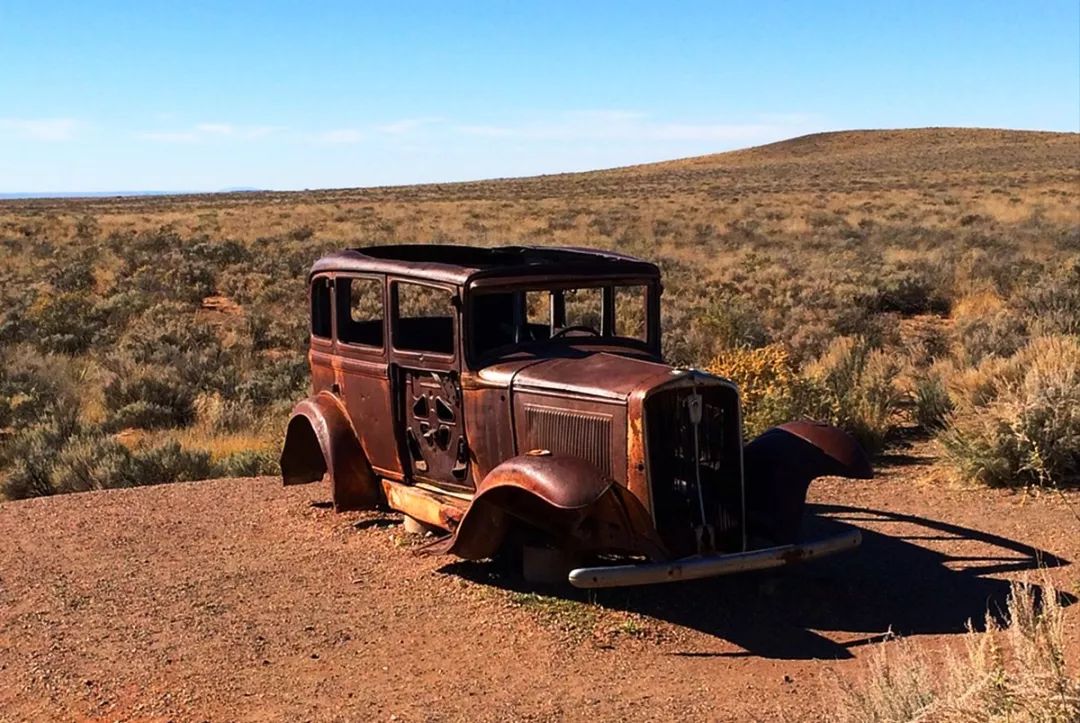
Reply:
x=240, y=599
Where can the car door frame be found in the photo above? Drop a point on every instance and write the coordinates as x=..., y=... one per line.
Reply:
x=402, y=361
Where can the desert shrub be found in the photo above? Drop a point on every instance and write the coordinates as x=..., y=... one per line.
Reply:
x=168, y=462
x=249, y=463
x=116, y=311
x=225, y=253
x=168, y=336
x=31, y=453
x=274, y=379
x=1011, y=671
x=277, y=331
x=90, y=462
x=64, y=323
x=931, y=398
x=215, y=413
x=699, y=330
x=14, y=325
x=999, y=333
x=149, y=399
x=1017, y=421
x=770, y=388
x=1053, y=303
x=24, y=394
x=77, y=275
x=54, y=461
x=917, y=289
x=860, y=393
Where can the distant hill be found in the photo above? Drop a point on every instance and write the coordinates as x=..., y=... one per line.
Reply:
x=115, y=194
x=837, y=162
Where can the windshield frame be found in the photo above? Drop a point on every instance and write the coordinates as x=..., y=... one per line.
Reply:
x=651, y=345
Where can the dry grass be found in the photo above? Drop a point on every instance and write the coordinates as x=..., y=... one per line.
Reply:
x=1013, y=671
x=183, y=313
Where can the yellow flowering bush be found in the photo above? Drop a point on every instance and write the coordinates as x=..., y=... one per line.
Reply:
x=770, y=386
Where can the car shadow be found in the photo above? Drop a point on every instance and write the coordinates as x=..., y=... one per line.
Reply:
x=895, y=583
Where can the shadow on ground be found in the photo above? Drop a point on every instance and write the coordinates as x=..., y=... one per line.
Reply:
x=893, y=582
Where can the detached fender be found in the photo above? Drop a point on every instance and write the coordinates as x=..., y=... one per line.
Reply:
x=779, y=466
x=567, y=498
x=321, y=440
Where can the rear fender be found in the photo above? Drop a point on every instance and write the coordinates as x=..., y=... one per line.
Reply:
x=568, y=499
x=779, y=466
x=320, y=440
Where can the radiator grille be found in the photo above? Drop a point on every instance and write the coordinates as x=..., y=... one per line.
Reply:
x=674, y=469
x=581, y=434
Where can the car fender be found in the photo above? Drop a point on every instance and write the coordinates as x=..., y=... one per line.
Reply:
x=779, y=466
x=575, y=505
x=320, y=440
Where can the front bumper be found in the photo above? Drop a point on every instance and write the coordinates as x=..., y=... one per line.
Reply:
x=696, y=567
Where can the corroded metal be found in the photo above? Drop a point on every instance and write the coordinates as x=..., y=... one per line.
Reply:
x=568, y=436
x=320, y=440
x=695, y=568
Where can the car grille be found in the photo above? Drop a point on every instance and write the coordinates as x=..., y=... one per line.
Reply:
x=674, y=468
x=582, y=434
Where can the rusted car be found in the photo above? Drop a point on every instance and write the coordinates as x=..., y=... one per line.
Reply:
x=516, y=398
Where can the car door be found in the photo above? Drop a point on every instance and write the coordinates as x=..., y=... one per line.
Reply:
x=363, y=366
x=425, y=367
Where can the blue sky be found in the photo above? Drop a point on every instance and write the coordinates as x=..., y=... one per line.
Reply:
x=197, y=95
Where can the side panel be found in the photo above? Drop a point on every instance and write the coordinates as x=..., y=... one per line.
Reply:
x=365, y=389
x=591, y=429
x=487, y=425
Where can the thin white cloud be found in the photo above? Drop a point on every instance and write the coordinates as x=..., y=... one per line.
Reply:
x=406, y=125
x=204, y=131
x=622, y=125
x=39, y=129
x=216, y=129
x=169, y=136
x=339, y=135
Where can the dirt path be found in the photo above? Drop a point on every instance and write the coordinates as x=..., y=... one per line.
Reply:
x=241, y=599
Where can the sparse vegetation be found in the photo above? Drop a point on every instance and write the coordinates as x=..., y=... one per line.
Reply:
x=884, y=280
x=1012, y=671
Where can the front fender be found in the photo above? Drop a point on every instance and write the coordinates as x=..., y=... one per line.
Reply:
x=567, y=498
x=320, y=440
x=779, y=466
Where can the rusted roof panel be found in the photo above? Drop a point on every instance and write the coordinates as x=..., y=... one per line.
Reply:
x=460, y=264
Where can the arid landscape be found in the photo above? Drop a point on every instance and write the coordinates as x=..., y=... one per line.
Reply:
x=918, y=288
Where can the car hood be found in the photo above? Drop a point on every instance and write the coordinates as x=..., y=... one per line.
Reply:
x=598, y=374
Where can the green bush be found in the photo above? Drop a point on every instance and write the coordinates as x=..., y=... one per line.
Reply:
x=65, y=323
x=169, y=462
x=249, y=463
x=151, y=399
x=90, y=462
x=31, y=453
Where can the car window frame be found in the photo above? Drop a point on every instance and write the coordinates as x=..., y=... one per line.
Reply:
x=358, y=346
x=419, y=355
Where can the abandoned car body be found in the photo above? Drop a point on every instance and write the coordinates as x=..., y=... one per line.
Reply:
x=517, y=396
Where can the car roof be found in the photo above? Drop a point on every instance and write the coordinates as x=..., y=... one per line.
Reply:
x=461, y=264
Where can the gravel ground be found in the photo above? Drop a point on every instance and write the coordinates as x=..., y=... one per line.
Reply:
x=241, y=599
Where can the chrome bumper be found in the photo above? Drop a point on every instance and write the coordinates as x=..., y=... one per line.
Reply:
x=694, y=568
